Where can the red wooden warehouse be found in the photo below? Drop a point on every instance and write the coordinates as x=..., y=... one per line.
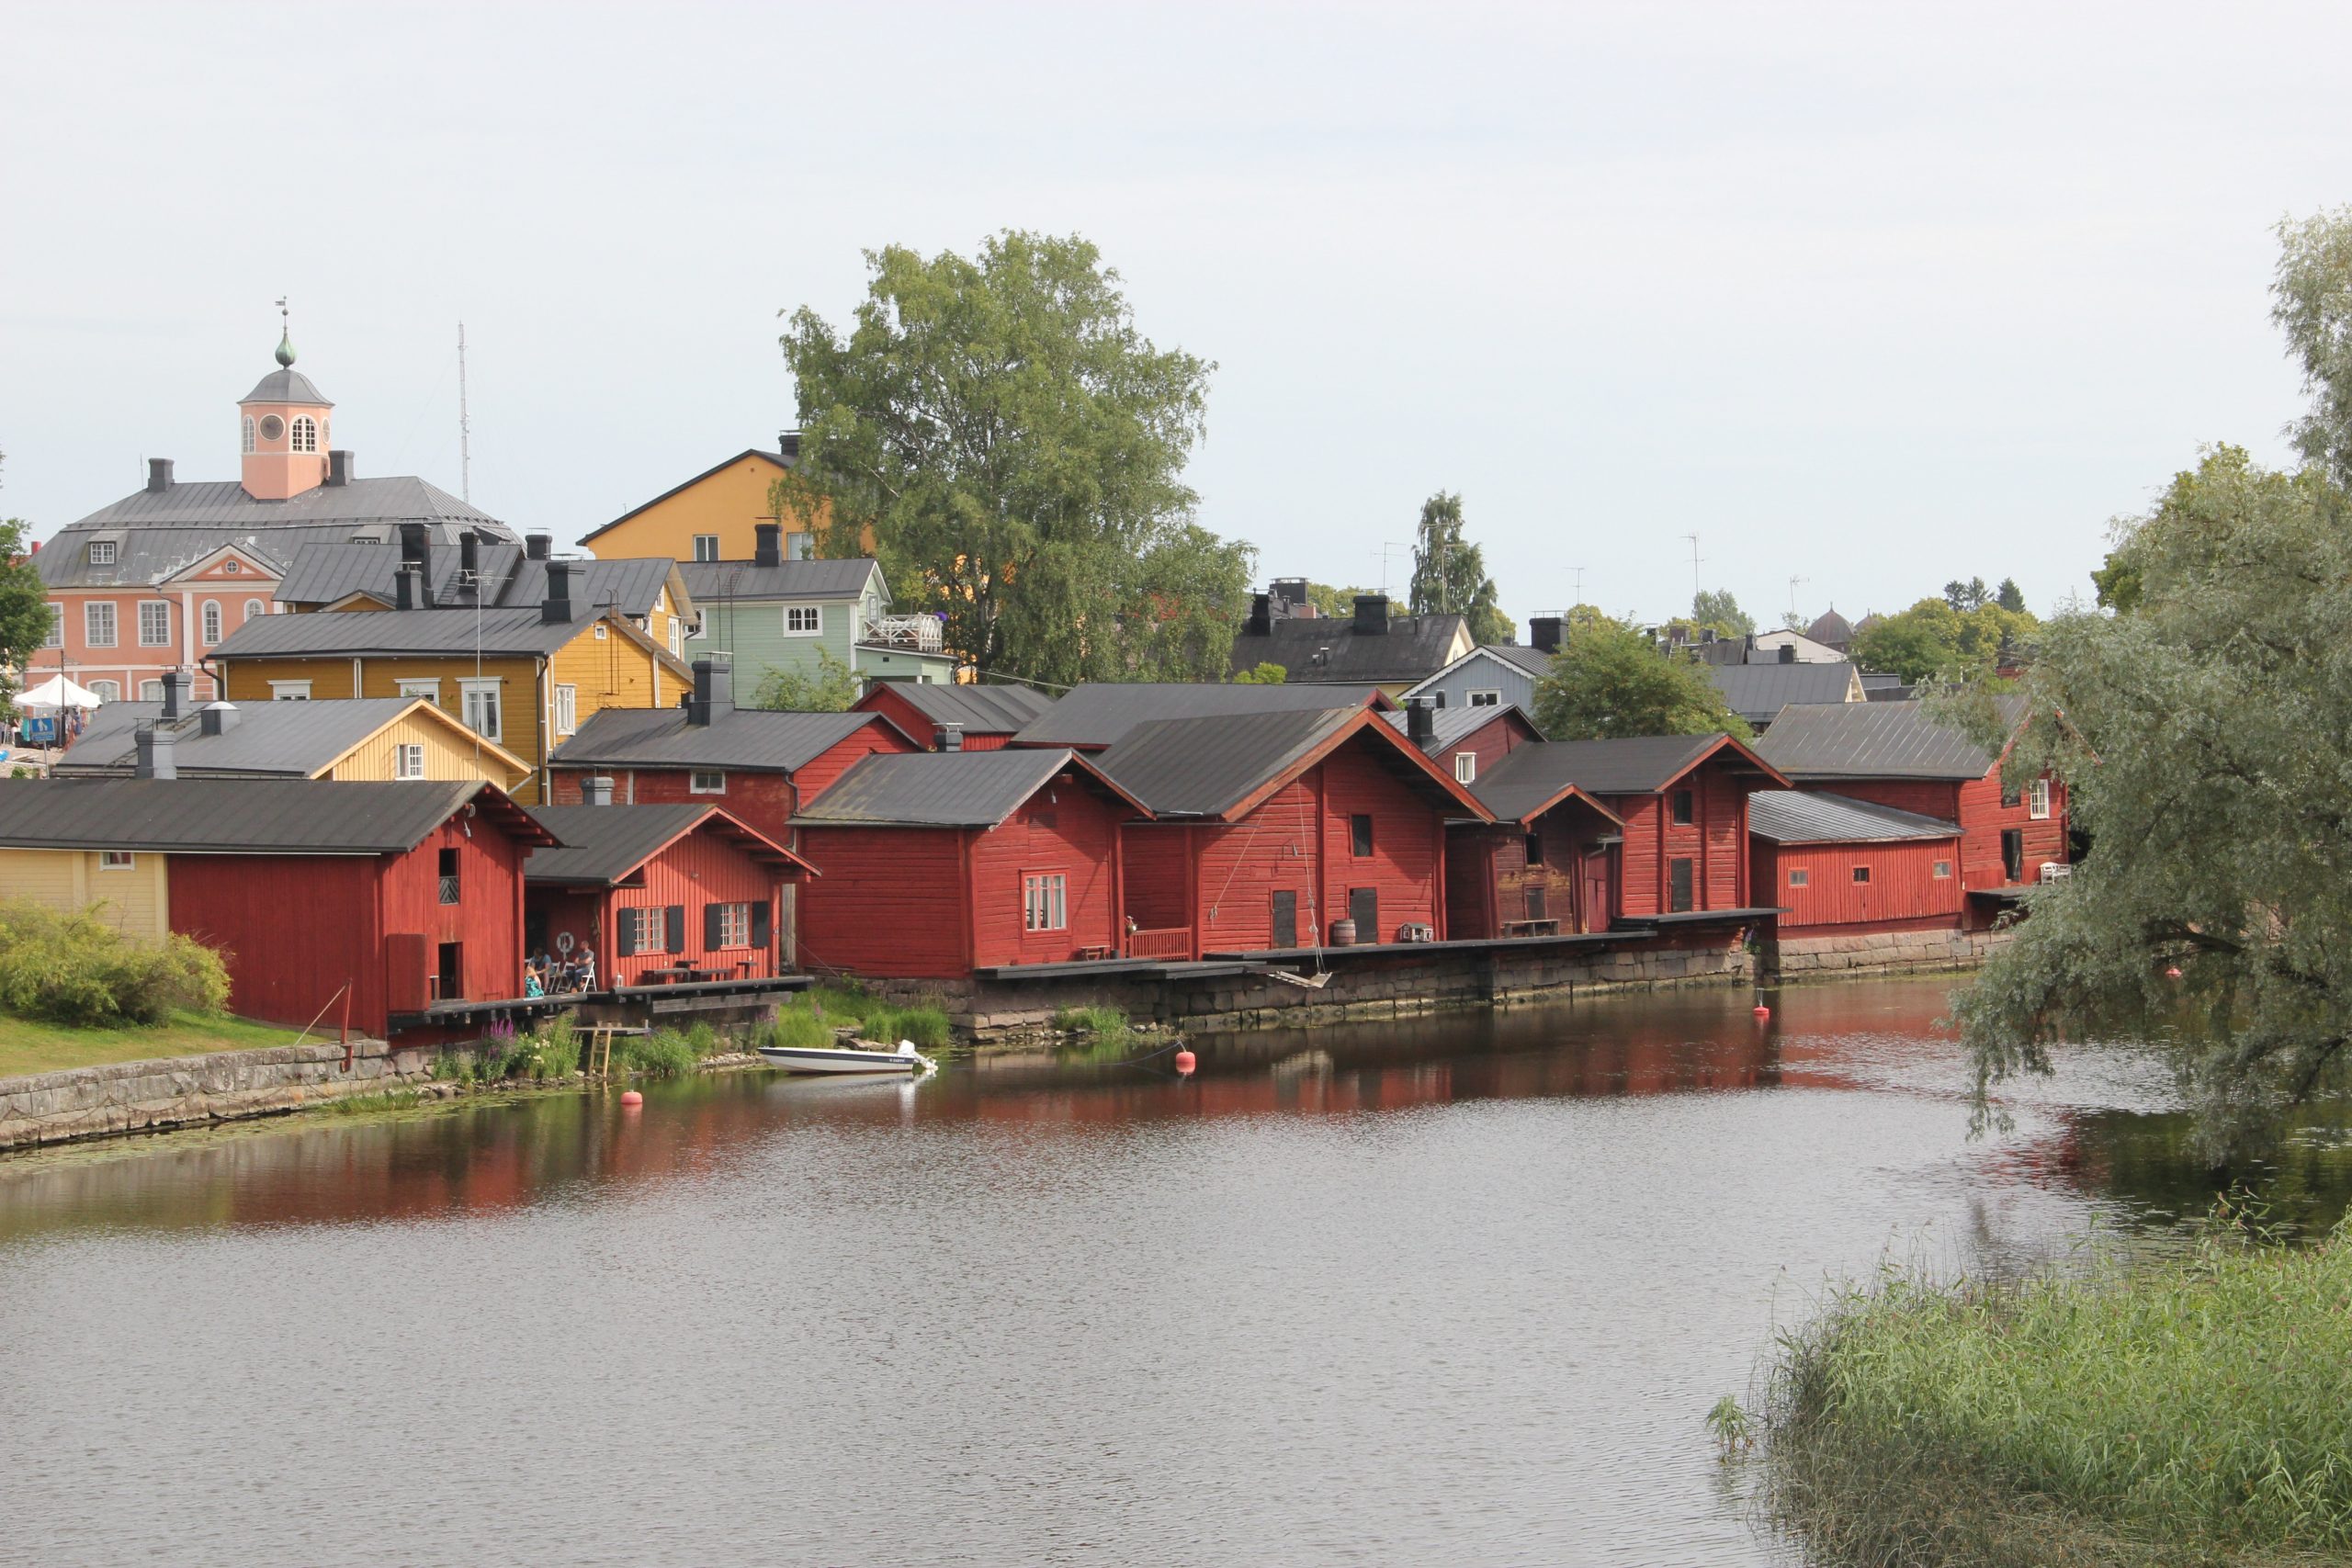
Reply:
x=1842, y=867
x=1268, y=829
x=949, y=718
x=1100, y=714
x=1680, y=846
x=934, y=865
x=656, y=892
x=1465, y=741
x=759, y=766
x=383, y=899
x=1897, y=754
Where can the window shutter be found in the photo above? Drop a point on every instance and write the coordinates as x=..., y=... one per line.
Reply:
x=625, y=945
x=712, y=938
x=763, y=923
x=675, y=924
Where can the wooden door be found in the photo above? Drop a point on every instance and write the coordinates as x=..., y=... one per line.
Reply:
x=1593, y=903
x=1285, y=918
x=1364, y=908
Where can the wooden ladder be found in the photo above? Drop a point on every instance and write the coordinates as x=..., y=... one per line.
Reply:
x=597, y=1060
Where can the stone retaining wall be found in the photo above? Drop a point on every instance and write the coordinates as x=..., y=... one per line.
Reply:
x=127, y=1097
x=1878, y=953
x=1397, y=985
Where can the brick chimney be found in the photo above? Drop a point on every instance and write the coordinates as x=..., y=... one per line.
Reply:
x=416, y=550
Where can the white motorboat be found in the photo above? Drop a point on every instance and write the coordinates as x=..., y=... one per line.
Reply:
x=847, y=1059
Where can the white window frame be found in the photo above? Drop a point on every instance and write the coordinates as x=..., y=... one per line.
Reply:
x=470, y=706
x=102, y=552
x=1485, y=697
x=105, y=691
x=697, y=784
x=1044, y=901
x=815, y=614
x=653, y=930
x=1465, y=767
x=1941, y=870
x=214, y=622
x=677, y=637
x=304, y=435
x=118, y=860
x=91, y=617
x=255, y=607
x=164, y=638
x=150, y=691
x=56, y=625
x=600, y=631
x=248, y=443
x=408, y=760
x=289, y=691
x=2038, y=801
x=735, y=925
x=706, y=546
x=567, y=709
x=425, y=686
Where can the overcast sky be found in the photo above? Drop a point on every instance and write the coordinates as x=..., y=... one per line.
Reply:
x=1869, y=295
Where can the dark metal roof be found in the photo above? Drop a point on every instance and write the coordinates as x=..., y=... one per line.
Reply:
x=1831, y=629
x=328, y=573
x=367, y=633
x=149, y=548
x=1873, y=739
x=295, y=739
x=1204, y=767
x=1102, y=713
x=980, y=710
x=936, y=789
x=1326, y=649
x=1535, y=661
x=285, y=385
x=603, y=845
x=1531, y=776
x=1756, y=692
x=1455, y=724
x=753, y=740
x=711, y=582
x=1803, y=817
x=235, y=815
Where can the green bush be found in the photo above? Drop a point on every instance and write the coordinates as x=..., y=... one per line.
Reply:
x=76, y=969
x=553, y=1052
x=841, y=1003
x=1090, y=1021
x=926, y=1026
x=665, y=1054
x=797, y=1027
x=704, y=1041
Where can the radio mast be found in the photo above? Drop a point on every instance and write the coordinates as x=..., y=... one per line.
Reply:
x=465, y=428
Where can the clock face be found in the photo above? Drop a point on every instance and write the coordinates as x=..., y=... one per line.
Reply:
x=272, y=427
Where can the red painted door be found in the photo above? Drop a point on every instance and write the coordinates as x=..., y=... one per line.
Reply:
x=1592, y=901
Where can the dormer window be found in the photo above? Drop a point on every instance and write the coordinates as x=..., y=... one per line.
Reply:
x=102, y=552
x=249, y=436
x=306, y=434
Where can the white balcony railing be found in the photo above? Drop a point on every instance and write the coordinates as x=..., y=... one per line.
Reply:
x=918, y=634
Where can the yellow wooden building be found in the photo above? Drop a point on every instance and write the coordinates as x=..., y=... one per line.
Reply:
x=712, y=515
x=130, y=891
x=373, y=739
x=522, y=678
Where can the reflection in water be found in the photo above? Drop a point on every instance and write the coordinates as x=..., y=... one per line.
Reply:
x=1457, y=1289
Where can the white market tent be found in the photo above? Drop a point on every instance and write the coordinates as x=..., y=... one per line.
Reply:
x=55, y=693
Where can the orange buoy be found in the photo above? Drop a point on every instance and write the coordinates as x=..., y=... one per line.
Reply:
x=1763, y=1011
x=1186, y=1062
x=630, y=1097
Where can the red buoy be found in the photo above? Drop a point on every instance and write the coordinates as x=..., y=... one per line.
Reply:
x=630, y=1097
x=2172, y=974
x=1186, y=1062
x=1763, y=1011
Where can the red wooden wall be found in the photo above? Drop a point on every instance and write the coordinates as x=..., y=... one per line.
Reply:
x=1154, y=858
x=1069, y=828
x=1902, y=892
x=1715, y=841
x=1490, y=742
x=488, y=916
x=699, y=869
x=888, y=901
x=293, y=930
x=1976, y=805
x=1487, y=876
x=821, y=772
x=885, y=699
x=762, y=802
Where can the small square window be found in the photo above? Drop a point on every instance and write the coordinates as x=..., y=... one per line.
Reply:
x=706, y=546
x=408, y=760
x=102, y=552
x=705, y=783
x=600, y=631
x=1487, y=699
x=1861, y=874
x=1360, y=835
x=1685, y=807
x=1465, y=767
x=117, y=860
x=1943, y=868
x=1799, y=876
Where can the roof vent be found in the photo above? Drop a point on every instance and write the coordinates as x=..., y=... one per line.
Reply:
x=217, y=718
x=596, y=789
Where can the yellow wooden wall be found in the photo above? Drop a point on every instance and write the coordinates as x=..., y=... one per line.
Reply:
x=729, y=503
x=449, y=753
x=612, y=672
x=136, y=901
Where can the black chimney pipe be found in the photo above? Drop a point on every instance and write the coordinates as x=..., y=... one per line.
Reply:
x=1421, y=721
x=714, y=692
x=1372, y=614
x=339, y=470
x=556, y=607
x=536, y=546
x=767, y=547
x=1261, y=615
x=151, y=748
x=404, y=586
x=179, y=689
x=469, y=561
x=1543, y=633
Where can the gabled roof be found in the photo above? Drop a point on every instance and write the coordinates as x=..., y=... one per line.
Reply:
x=1531, y=779
x=945, y=789
x=776, y=458
x=1875, y=739
x=330, y=573
x=1103, y=712
x=160, y=532
x=269, y=740
x=747, y=739
x=245, y=816
x=1451, y=726
x=718, y=581
x=1327, y=649
x=977, y=709
x=1802, y=817
x=1223, y=767
x=1530, y=661
x=387, y=633
x=602, y=846
x=1756, y=692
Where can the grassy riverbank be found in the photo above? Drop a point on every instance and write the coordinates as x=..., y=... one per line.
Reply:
x=2197, y=1412
x=31, y=1045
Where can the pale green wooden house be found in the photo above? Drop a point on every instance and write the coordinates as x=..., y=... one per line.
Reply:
x=776, y=615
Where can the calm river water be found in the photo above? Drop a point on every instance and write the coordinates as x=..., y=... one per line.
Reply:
x=1454, y=1291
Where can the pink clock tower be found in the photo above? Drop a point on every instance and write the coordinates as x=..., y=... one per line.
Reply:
x=282, y=431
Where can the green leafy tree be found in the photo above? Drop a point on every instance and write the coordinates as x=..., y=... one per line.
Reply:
x=2009, y=596
x=2310, y=300
x=831, y=688
x=1719, y=608
x=1608, y=680
x=1966, y=596
x=1339, y=601
x=24, y=608
x=1014, y=447
x=1263, y=674
x=2117, y=583
x=1932, y=640
x=1449, y=573
x=2200, y=751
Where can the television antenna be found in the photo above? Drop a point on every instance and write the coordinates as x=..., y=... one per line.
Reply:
x=465, y=426
x=1387, y=552
x=1695, y=559
x=1792, y=594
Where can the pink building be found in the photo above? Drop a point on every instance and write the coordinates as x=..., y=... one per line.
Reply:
x=152, y=581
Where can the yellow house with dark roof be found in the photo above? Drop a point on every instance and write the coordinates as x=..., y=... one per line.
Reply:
x=712, y=515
